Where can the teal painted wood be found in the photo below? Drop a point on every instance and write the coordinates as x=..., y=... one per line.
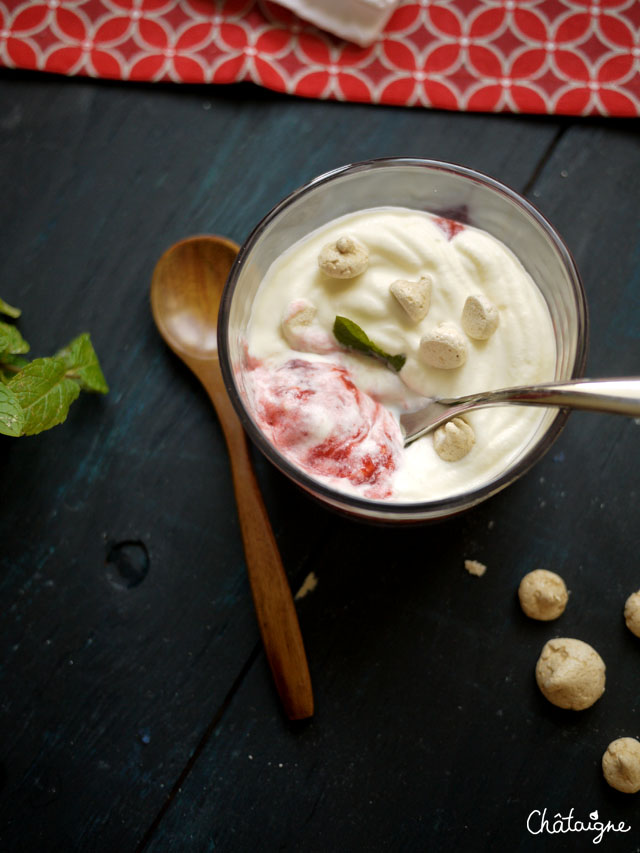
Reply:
x=122, y=681
x=431, y=733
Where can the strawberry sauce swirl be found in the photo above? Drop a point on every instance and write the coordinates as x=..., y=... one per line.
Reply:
x=314, y=414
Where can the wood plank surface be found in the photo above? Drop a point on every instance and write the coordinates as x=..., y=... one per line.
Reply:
x=136, y=703
x=430, y=732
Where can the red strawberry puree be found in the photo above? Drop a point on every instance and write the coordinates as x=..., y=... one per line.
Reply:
x=320, y=421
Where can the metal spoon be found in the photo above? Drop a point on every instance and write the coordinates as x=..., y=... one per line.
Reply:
x=616, y=396
x=185, y=294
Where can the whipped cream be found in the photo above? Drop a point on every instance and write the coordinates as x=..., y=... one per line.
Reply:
x=346, y=442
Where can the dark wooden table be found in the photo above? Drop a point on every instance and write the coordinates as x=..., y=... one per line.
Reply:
x=137, y=710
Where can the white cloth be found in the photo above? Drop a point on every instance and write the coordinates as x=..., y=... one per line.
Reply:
x=359, y=21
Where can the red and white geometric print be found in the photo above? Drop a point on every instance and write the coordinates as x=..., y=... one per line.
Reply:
x=574, y=57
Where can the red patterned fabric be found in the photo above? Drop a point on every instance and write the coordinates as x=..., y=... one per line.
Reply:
x=533, y=56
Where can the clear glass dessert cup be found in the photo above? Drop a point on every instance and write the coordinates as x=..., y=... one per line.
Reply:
x=443, y=189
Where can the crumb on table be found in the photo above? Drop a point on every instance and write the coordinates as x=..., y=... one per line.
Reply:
x=475, y=568
x=310, y=583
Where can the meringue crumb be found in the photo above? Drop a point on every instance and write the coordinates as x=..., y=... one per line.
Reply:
x=310, y=583
x=475, y=568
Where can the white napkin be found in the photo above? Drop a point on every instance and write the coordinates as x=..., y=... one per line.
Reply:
x=360, y=21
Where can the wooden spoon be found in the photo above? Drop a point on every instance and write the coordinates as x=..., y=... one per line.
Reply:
x=186, y=288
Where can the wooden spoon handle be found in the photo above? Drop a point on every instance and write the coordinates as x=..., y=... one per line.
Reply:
x=275, y=609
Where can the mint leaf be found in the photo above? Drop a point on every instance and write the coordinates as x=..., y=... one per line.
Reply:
x=349, y=334
x=82, y=364
x=17, y=361
x=11, y=414
x=10, y=365
x=44, y=394
x=9, y=310
x=11, y=340
x=36, y=395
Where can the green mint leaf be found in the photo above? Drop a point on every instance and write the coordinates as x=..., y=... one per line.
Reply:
x=10, y=365
x=11, y=341
x=44, y=394
x=349, y=334
x=82, y=364
x=11, y=413
x=16, y=361
x=9, y=310
x=397, y=361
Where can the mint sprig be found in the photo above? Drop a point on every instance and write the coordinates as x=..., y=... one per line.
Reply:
x=11, y=414
x=82, y=364
x=9, y=310
x=36, y=395
x=44, y=393
x=350, y=335
x=11, y=341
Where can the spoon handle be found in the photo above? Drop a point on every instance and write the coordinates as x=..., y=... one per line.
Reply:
x=273, y=602
x=616, y=396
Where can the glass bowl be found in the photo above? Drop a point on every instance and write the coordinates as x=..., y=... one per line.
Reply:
x=443, y=189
